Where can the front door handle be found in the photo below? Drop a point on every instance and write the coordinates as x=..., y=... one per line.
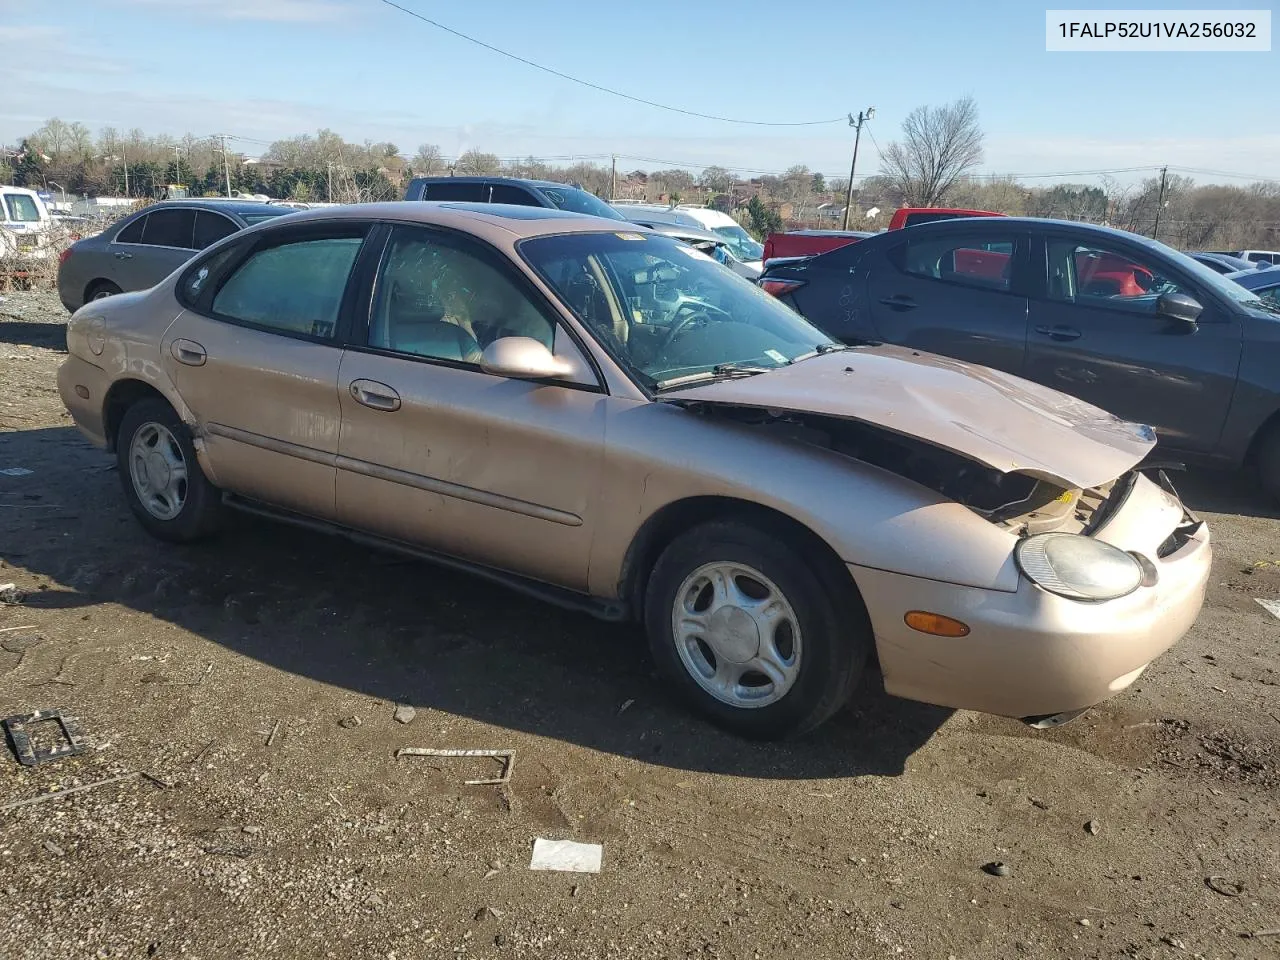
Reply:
x=121, y=255
x=1059, y=332
x=899, y=301
x=188, y=352
x=375, y=395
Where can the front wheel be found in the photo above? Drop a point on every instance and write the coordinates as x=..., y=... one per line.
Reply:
x=165, y=487
x=760, y=636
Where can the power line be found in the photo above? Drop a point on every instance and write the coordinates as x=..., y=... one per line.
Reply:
x=601, y=88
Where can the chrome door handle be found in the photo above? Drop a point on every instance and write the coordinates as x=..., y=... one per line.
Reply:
x=375, y=395
x=124, y=256
x=188, y=352
x=899, y=302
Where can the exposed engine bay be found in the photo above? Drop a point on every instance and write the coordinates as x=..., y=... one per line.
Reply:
x=1021, y=503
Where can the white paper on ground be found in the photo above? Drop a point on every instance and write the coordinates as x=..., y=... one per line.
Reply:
x=566, y=855
x=1271, y=606
x=15, y=471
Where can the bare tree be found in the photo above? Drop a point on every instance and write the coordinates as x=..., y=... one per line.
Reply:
x=717, y=179
x=939, y=145
x=478, y=163
x=427, y=160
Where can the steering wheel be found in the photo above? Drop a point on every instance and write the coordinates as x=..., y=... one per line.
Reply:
x=693, y=313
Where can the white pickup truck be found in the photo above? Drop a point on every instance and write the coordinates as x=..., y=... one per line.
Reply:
x=25, y=224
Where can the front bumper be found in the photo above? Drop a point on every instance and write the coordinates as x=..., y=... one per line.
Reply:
x=87, y=412
x=1032, y=653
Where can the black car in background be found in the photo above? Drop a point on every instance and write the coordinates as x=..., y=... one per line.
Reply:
x=1121, y=321
x=525, y=193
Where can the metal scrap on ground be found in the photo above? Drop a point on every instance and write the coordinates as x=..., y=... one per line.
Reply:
x=507, y=756
x=25, y=749
x=1271, y=606
x=59, y=794
x=566, y=855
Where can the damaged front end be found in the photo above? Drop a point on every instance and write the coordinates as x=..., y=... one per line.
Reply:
x=1023, y=504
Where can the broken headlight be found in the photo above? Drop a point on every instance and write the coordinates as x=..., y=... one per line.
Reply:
x=1078, y=567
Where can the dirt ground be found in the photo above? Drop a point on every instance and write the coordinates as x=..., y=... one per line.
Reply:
x=278, y=826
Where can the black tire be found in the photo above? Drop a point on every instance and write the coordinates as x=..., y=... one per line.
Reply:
x=835, y=632
x=1268, y=461
x=199, y=508
x=101, y=288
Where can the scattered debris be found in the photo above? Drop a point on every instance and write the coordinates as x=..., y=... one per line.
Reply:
x=29, y=626
x=201, y=679
x=566, y=855
x=59, y=794
x=1269, y=932
x=1224, y=886
x=1220, y=689
x=489, y=874
x=158, y=781
x=10, y=594
x=494, y=912
x=350, y=723
x=26, y=751
x=1038, y=804
x=275, y=732
x=508, y=758
x=1085, y=922
x=1093, y=827
x=625, y=707
x=251, y=829
x=203, y=750
x=53, y=848
x=997, y=869
x=404, y=713
x=16, y=472
x=574, y=892
x=1173, y=942
x=1271, y=606
x=242, y=852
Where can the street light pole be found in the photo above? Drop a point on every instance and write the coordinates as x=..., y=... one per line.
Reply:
x=863, y=117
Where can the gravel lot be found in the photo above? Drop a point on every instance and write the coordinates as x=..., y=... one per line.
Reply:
x=278, y=826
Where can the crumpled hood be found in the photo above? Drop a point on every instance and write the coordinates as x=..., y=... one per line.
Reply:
x=997, y=419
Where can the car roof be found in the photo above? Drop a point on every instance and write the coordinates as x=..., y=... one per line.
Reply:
x=1003, y=223
x=522, y=180
x=1256, y=279
x=213, y=203
x=515, y=219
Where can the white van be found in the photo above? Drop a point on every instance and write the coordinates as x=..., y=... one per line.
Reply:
x=24, y=221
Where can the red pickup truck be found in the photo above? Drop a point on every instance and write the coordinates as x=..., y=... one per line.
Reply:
x=810, y=243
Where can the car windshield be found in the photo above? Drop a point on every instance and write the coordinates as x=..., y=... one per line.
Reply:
x=667, y=312
x=741, y=243
x=1211, y=278
x=579, y=201
x=22, y=208
x=269, y=214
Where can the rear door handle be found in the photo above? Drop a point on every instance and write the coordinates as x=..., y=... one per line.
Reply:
x=899, y=301
x=375, y=395
x=1059, y=332
x=188, y=352
x=121, y=255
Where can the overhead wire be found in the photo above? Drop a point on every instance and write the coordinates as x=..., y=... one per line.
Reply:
x=600, y=87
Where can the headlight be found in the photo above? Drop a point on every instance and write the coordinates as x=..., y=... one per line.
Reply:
x=1078, y=567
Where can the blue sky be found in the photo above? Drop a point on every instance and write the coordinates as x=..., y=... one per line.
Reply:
x=263, y=69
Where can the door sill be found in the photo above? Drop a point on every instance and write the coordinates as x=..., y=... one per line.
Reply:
x=611, y=610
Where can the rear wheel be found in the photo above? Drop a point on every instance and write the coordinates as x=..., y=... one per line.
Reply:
x=758, y=635
x=100, y=289
x=162, y=481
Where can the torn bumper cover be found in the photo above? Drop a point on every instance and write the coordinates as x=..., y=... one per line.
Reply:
x=1031, y=654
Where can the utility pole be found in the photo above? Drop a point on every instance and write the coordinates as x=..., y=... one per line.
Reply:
x=1164, y=173
x=177, y=164
x=613, y=180
x=226, y=166
x=863, y=117
x=329, y=174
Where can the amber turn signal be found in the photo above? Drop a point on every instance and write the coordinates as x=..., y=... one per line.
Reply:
x=82, y=391
x=936, y=624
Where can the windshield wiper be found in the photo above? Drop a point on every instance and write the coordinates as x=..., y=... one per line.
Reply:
x=721, y=371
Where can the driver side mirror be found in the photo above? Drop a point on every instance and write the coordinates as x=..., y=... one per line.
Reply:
x=1181, y=308
x=523, y=358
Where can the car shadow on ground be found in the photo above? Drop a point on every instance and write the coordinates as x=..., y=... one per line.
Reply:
x=24, y=332
x=1224, y=491
x=401, y=630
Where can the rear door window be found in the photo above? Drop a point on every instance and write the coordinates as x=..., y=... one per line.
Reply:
x=508, y=193
x=21, y=208
x=212, y=227
x=969, y=260
x=458, y=192
x=170, y=228
x=133, y=232
x=293, y=287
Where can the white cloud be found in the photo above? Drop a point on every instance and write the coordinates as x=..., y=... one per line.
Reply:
x=40, y=49
x=275, y=11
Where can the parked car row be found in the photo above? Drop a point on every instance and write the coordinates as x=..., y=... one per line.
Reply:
x=602, y=416
x=1111, y=318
